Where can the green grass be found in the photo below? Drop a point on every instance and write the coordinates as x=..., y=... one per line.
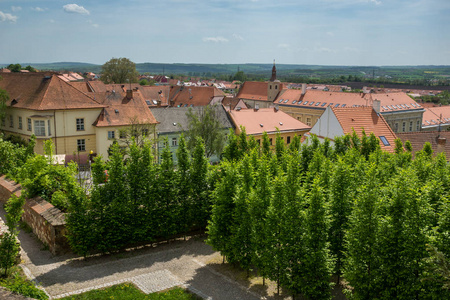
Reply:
x=128, y=291
x=17, y=283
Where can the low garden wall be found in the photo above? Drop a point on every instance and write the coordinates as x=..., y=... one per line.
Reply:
x=46, y=221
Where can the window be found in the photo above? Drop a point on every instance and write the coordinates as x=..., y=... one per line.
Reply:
x=39, y=128
x=418, y=126
x=122, y=134
x=323, y=104
x=145, y=132
x=48, y=128
x=288, y=140
x=11, y=121
x=276, y=87
x=404, y=127
x=259, y=142
x=111, y=134
x=20, y=122
x=80, y=124
x=308, y=121
x=384, y=140
x=174, y=141
x=311, y=103
x=270, y=87
x=410, y=126
x=270, y=141
x=28, y=124
x=396, y=127
x=81, y=145
x=306, y=102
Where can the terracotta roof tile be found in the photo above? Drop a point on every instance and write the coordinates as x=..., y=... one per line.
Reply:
x=432, y=115
x=254, y=90
x=269, y=118
x=359, y=118
x=44, y=91
x=194, y=95
x=418, y=140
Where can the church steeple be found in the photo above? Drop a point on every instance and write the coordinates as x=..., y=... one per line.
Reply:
x=274, y=72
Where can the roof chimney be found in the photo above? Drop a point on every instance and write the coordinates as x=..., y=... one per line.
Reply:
x=441, y=141
x=365, y=91
x=376, y=105
x=158, y=103
x=275, y=108
x=303, y=88
x=256, y=107
x=129, y=94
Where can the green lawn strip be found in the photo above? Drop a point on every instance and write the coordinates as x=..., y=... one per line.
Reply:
x=17, y=283
x=129, y=291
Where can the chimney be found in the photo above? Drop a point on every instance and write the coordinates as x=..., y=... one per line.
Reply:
x=365, y=91
x=275, y=108
x=441, y=141
x=129, y=94
x=303, y=88
x=376, y=106
x=158, y=103
x=256, y=107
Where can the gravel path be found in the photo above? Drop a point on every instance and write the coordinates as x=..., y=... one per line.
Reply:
x=179, y=263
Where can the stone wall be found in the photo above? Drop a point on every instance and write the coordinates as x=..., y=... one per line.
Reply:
x=46, y=221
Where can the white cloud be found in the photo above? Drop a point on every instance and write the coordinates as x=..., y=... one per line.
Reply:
x=16, y=8
x=39, y=9
x=375, y=1
x=238, y=37
x=217, y=39
x=76, y=9
x=7, y=17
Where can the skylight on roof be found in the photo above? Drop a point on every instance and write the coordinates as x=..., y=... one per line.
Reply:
x=323, y=104
x=337, y=105
x=384, y=140
x=281, y=100
x=300, y=101
x=311, y=103
x=306, y=102
x=286, y=101
x=148, y=102
x=407, y=105
x=317, y=103
x=331, y=104
x=343, y=105
x=413, y=105
x=293, y=102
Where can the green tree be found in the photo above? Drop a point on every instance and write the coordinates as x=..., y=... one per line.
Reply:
x=30, y=68
x=201, y=188
x=206, y=124
x=183, y=184
x=231, y=151
x=9, y=246
x=4, y=97
x=119, y=70
x=14, y=68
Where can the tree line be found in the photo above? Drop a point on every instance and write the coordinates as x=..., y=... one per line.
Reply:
x=348, y=214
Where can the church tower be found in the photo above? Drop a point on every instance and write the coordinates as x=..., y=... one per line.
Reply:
x=274, y=85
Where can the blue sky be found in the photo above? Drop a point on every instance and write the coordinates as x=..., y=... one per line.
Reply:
x=324, y=32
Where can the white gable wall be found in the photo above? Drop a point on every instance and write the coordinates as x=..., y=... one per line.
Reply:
x=327, y=125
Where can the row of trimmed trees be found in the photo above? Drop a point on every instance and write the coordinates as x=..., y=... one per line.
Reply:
x=350, y=214
x=138, y=200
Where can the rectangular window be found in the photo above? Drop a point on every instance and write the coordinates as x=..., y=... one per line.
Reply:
x=270, y=141
x=111, y=134
x=410, y=126
x=259, y=142
x=20, y=122
x=308, y=121
x=404, y=127
x=174, y=141
x=39, y=128
x=122, y=134
x=384, y=140
x=288, y=140
x=28, y=124
x=396, y=127
x=81, y=145
x=48, y=128
x=418, y=126
x=11, y=121
x=80, y=124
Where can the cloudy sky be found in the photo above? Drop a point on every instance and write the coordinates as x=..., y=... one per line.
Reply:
x=324, y=32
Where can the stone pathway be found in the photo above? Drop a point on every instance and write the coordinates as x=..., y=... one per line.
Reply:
x=180, y=263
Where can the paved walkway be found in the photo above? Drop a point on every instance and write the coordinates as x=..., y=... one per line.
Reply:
x=180, y=263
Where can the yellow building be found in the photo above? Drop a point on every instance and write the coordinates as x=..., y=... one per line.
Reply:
x=50, y=108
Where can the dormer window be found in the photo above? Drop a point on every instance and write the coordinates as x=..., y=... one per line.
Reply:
x=39, y=127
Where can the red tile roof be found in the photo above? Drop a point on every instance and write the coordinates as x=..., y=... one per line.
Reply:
x=418, y=140
x=269, y=118
x=359, y=118
x=44, y=91
x=121, y=111
x=253, y=90
x=321, y=100
x=432, y=115
x=193, y=95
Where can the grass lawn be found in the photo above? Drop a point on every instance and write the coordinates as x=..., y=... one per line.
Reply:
x=128, y=291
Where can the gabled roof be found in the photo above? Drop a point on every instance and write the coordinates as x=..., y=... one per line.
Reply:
x=265, y=120
x=193, y=95
x=174, y=119
x=44, y=91
x=432, y=115
x=365, y=118
x=418, y=140
x=121, y=111
x=389, y=102
x=253, y=90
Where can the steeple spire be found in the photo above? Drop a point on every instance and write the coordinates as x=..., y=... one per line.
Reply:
x=274, y=72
